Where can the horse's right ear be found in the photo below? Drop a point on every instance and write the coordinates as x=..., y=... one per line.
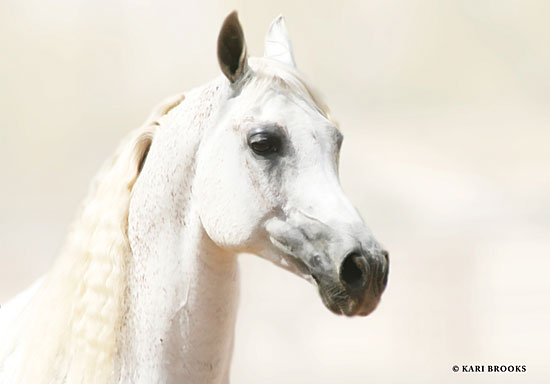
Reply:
x=232, y=48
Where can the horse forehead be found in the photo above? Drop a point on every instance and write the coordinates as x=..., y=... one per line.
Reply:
x=290, y=111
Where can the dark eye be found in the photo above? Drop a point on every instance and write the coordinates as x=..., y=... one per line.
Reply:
x=265, y=141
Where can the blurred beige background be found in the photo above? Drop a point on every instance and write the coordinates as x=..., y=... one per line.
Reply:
x=445, y=106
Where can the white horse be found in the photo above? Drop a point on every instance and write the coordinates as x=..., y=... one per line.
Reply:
x=145, y=290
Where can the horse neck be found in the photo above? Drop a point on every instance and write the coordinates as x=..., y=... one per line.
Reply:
x=182, y=289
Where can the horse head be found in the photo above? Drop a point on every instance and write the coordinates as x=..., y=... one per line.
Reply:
x=266, y=178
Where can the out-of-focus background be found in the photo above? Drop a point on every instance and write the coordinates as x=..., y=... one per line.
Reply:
x=445, y=106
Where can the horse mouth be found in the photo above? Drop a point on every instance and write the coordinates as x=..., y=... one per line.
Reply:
x=339, y=302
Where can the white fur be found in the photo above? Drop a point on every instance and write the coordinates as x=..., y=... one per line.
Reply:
x=146, y=289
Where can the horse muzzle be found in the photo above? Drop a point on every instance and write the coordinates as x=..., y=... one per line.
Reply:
x=357, y=286
x=347, y=264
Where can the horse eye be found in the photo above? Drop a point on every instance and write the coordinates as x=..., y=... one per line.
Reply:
x=264, y=143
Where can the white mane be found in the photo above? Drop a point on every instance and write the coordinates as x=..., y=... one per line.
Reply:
x=71, y=323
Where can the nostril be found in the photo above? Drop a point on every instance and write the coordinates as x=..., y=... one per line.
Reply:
x=352, y=271
x=385, y=270
x=386, y=256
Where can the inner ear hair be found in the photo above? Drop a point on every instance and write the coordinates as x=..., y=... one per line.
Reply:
x=232, y=48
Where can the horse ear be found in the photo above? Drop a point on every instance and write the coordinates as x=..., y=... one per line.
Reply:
x=232, y=48
x=277, y=43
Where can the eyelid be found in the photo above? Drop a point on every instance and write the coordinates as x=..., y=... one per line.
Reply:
x=268, y=128
x=270, y=134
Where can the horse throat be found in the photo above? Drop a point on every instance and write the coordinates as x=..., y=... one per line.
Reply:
x=182, y=292
x=200, y=338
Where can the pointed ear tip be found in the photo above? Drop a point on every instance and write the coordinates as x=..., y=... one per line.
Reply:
x=231, y=22
x=279, y=19
x=233, y=16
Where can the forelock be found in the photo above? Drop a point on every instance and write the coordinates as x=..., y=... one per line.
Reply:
x=268, y=74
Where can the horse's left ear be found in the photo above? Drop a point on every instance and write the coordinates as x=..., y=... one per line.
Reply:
x=277, y=43
x=232, y=48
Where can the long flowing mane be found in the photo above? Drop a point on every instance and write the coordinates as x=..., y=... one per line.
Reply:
x=68, y=331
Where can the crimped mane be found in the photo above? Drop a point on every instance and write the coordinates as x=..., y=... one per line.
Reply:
x=69, y=330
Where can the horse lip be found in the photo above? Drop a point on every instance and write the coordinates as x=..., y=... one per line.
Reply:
x=330, y=304
x=349, y=308
x=352, y=308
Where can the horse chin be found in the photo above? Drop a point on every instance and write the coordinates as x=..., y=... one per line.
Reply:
x=350, y=309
